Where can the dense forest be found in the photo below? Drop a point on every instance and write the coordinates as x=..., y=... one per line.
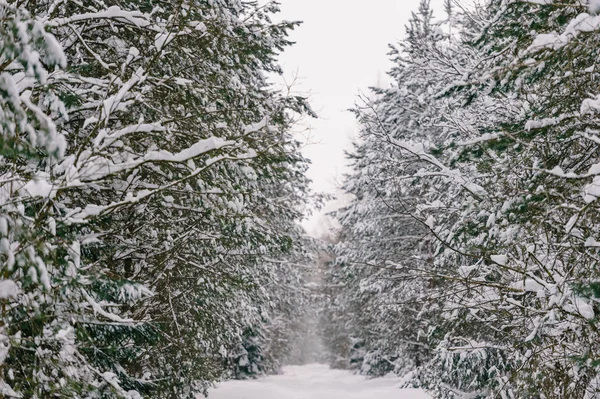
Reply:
x=468, y=257
x=151, y=189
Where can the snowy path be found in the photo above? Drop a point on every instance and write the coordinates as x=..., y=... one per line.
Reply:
x=314, y=382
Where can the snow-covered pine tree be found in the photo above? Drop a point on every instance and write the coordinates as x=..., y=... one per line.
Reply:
x=163, y=201
x=518, y=243
x=39, y=356
x=531, y=236
x=385, y=253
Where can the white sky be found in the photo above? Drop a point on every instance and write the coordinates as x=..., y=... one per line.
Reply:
x=341, y=49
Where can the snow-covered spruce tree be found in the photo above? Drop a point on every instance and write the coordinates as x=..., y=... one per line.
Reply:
x=508, y=189
x=38, y=355
x=174, y=140
x=385, y=249
x=521, y=250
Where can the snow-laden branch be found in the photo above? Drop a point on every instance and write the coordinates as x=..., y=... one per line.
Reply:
x=100, y=310
x=136, y=18
x=583, y=23
x=92, y=210
x=454, y=175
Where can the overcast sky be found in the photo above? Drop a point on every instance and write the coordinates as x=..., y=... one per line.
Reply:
x=341, y=49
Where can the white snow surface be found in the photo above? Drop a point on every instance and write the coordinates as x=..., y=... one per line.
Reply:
x=8, y=289
x=315, y=382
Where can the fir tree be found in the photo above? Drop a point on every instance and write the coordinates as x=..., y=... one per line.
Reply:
x=154, y=223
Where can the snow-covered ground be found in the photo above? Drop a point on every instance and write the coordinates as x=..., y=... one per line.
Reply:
x=314, y=382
